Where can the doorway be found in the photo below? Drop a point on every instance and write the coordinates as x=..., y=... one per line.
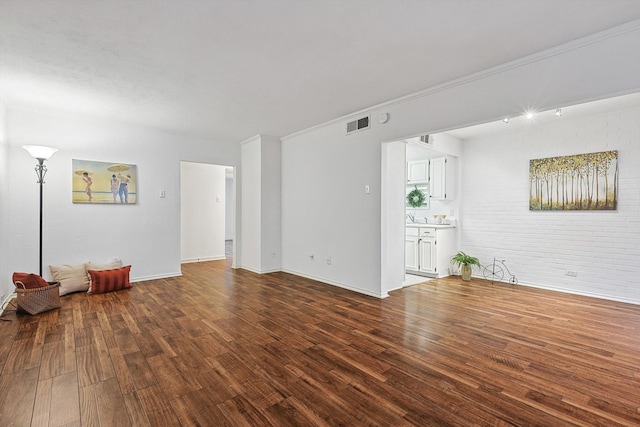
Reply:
x=395, y=156
x=206, y=211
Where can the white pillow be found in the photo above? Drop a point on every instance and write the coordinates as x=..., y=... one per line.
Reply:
x=98, y=267
x=72, y=278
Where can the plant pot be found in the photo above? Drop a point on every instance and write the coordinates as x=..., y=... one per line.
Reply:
x=465, y=271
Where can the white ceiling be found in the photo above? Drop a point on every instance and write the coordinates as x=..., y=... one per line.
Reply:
x=228, y=70
x=418, y=151
x=521, y=122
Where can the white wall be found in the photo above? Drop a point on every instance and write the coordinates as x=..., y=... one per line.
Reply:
x=601, y=246
x=145, y=235
x=202, y=212
x=271, y=204
x=324, y=209
x=326, y=212
x=393, y=215
x=6, y=287
x=229, y=216
x=250, y=254
x=261, y=202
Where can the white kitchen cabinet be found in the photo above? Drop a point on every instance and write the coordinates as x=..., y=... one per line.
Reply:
x=442, y=178
x=418, y=172
x=428, y=250
x=411, y=251
x=427, y=256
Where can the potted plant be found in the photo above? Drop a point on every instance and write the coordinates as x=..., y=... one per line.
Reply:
x=465, y=262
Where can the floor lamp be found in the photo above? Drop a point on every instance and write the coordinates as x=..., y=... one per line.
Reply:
x=40, y=153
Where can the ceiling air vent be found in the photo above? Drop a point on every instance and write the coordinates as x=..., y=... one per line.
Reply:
x=359, y=124
x=427, y=139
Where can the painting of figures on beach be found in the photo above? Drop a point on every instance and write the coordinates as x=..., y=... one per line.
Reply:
x=580, y=182
x=101, y=182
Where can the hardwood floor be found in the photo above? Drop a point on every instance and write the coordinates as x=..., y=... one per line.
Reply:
x=222, y=347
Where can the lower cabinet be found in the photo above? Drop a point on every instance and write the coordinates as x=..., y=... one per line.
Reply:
x=411, y=252
x=428, y=250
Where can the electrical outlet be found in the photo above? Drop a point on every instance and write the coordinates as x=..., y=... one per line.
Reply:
x=571, y=273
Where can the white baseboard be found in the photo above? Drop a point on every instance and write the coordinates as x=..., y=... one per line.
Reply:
x=159, y=276
x=339, y=285
x=571, y=291
x=253, y=270
x=5, y=302
x=213, y=258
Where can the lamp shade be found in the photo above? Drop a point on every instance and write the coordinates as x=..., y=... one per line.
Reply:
x=40, y=152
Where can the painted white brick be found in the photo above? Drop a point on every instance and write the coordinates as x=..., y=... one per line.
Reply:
x=539, y=247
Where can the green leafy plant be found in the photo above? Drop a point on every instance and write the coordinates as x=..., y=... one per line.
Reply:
x=461, y=259
x=464, y=263
x=415, y=198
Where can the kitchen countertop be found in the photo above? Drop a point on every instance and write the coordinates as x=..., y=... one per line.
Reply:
x=424, y=225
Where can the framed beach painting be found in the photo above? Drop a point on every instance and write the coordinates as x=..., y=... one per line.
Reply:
x=102, y=182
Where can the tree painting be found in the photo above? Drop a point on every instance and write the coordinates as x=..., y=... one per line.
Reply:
x=580, y=182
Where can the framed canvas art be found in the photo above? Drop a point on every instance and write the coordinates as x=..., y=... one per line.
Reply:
x=580, y=182
x=105, y=183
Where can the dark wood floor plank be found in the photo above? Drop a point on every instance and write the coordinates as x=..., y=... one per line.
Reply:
x=170, y=378
x=241, y=412
x=157, y=407
x=90, y=368
x=135, y=411
x=42, y=404
x=198, y=409
x=141, y=374
x=110, y=404
x=53, y=360
x=219, y=347
x=17, y=397
x=65, y=400
x=89, y=406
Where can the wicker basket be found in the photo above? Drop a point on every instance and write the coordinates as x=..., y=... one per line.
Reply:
x=38, y=300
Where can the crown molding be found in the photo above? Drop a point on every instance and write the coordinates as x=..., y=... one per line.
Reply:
x=564, y=48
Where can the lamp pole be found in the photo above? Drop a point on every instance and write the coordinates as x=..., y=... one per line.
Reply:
x=41, y=170
x=40, y=153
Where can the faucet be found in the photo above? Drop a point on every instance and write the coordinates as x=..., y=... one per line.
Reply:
x=411, y=217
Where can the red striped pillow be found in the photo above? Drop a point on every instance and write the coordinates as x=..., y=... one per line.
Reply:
x=109, y=280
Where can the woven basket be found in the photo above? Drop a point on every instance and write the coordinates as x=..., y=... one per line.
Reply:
x=38, y=300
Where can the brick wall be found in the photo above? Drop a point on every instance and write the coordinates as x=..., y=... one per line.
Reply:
x=602, y=247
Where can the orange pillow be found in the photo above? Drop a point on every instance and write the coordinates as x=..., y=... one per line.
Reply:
x=109, y=280
x=29, y=280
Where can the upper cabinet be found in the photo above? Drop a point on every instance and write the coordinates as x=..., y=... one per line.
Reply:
x=418, y=172
x=442, y=176
x=438, y=173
